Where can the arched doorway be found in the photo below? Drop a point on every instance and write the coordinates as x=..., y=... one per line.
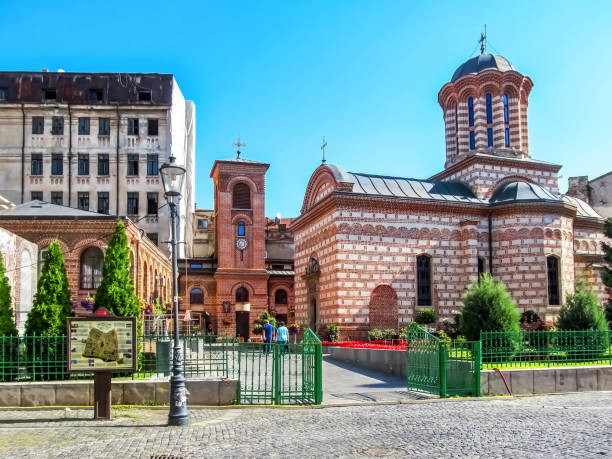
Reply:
x=383, y=308
x=243, y=308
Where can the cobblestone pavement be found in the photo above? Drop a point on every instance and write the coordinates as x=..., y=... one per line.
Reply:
x=571, y=425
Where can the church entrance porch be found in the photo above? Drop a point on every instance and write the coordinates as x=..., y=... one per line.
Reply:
x=242, y=325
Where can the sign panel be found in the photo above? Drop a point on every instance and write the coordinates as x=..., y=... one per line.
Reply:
x=102, y=344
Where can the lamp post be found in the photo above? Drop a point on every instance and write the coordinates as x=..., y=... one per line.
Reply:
x=172, y=178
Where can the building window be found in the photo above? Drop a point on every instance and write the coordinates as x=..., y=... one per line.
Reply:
x=132, y=164
x=507, y=133
x=552, y=264
x=92, y=260
x=36, y=196
x=153, y=237
x=280, y=297
x=241, y=196
x=103, y=166
x=38, y=125
x=3, y=93
x=84, y=126
x=36, y=164
x=96, y=95
x=103, y=126
x=506, y=111
x=57, y=198
x=57, y=164
x=50, y=95
x=423, y=281
x=103, y=202
x=132, y=203
x=202, y=223
x=144, y=96
x=151, y=203
x=472, y=140
x=152, y=165
x=83, y=164
x=132, y=126
x=83, y=200
x=489, y=108
x=481, y=267
x=241, y=229
x=57, y=125
x=196, y=296
x=242, y=295
x=489, y=137
x=471, y=111
x=152, y=127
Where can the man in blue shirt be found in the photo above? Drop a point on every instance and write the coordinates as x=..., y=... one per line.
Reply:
x=267, y=333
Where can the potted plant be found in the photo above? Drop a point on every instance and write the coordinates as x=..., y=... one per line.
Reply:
x=294, y=329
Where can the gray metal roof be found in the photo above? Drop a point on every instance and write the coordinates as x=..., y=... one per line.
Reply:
x=46, y=209
x=582, y=208
x=399, y=187
x=278, y=272
x=481, y=63
x=522, y=192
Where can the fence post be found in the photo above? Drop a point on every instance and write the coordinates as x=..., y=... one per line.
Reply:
x=318, y=373
x=442, y=360
x=277, y=374
x=477, y=362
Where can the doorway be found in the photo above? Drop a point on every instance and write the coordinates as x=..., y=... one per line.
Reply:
x=312, y=315
x=242, y=324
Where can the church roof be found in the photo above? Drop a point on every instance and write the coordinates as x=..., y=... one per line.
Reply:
x=522, y=192
x=582, y=208
x=481, y=63
x=46, y=209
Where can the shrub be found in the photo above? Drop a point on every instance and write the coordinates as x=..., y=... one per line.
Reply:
x=444, y=338
x=389, y=334
x=426, y=317
x=259, y=323
x=606, y=273
x=332, y=332
x=409, y=330
x=375, y=334
x=7, y=322
x=487, y=306
x=452, y=328
x=530, y=316
x=582, y=311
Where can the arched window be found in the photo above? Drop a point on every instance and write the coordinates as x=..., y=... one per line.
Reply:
x=241, y=196
x=91, y=268
x=280, y=297
x=196, y=296
x=506, y=121
x=489, y=137
x=472, y=140
x=241, y=229
x=489, y=108
x=471, y=111
x=42, y=255
x=423, y=280
x=242, y=295
x=552, y=265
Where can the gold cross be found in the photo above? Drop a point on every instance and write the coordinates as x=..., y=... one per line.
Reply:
x=237, y=144
x=323, y=148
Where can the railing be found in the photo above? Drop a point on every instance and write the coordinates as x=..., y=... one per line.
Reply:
x=545, y=348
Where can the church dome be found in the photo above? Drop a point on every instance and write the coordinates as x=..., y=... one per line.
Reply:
x=481, y=63
x=510, y=192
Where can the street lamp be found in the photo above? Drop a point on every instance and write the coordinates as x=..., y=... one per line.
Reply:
x=172, y=178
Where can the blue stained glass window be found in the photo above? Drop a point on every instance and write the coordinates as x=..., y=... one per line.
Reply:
x=489, y=109
x=506, y=112
x=472, y=140
x=471, y=110
x=507, y=137
x=489, y=137
x=241, y=229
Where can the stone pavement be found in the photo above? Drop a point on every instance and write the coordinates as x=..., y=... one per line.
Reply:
x=571, y=425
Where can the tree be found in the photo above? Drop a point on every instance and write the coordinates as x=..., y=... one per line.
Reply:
x=606, y=274
x=51, y=305
x=116, y=291
x=582, y=311
x=7, y=322
x=487, y=306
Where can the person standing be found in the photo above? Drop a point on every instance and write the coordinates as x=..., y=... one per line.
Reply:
x=282, y=337
x=267, y=333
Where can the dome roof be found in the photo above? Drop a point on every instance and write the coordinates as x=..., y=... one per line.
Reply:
x=481, y=63
x=582, y=208
x=521, y=192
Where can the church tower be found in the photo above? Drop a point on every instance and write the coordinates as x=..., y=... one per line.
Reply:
x=485, y=109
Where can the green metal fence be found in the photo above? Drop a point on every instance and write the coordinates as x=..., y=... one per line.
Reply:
x=289, y=374
x=524, y=349
x=444, y=368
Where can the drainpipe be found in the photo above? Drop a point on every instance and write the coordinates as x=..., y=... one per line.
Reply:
x=117, y=152
x=69, y=157
x=22, y=153
x=490, y=244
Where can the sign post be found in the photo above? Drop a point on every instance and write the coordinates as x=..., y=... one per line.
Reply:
x=102, y=345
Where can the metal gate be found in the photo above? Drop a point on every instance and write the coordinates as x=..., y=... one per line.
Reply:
x=444, y=368
x=280, y=374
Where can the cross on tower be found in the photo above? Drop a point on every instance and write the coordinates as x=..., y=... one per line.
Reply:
x=483, y=40
x=323, y=148
x=237, y=144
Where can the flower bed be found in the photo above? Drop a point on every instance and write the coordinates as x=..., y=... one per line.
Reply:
x=381, y=344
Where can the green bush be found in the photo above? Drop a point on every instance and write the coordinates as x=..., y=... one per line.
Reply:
x=7, y=321
x=332, y=332
x=452, y=327
x=582, y=311
x=426, y=317
x=409, y=330
x=487, y=306
x=606, y=273
x=530, y=316
x=375, y=334
x=259, y=323
x=389, y=334
x=444, y=338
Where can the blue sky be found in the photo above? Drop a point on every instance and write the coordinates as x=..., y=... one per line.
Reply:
x=365, y=74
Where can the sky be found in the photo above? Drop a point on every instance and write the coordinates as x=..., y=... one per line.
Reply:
x=364, y=74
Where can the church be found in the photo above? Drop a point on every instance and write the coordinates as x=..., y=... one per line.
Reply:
x=371, y=250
